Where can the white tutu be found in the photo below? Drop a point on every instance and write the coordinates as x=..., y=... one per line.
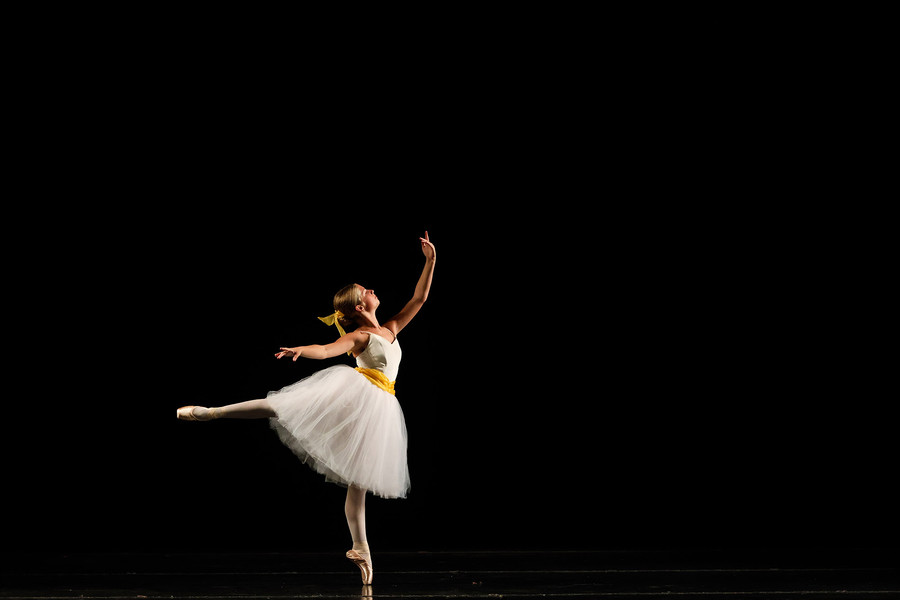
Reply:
x=345, y=427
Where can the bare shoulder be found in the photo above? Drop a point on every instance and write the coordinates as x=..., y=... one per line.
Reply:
x=351, y=343
x=393, y=327
x=360, y=338
x=386, y=331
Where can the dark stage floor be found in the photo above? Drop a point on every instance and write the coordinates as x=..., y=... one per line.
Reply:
x=607, y=574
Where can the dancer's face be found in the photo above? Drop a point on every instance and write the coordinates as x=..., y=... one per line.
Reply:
x=369, y=299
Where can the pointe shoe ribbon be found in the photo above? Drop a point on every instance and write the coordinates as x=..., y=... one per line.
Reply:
x=364, y=565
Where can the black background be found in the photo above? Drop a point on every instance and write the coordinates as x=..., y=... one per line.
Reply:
x=575, y=379
x=658, y=316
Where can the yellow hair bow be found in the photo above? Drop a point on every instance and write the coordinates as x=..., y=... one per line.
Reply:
x=332, y=319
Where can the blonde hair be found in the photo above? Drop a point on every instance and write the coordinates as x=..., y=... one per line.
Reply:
x=345, y=300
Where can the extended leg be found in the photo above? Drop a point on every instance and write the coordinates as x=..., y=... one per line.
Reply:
x=252, y=409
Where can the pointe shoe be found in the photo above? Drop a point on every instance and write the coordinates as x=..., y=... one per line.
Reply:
x=186, y=413
x=364, y=564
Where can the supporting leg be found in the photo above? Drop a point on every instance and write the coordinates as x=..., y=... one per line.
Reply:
x=355, y=509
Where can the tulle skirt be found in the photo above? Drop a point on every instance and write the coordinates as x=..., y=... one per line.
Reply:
x=346, y=428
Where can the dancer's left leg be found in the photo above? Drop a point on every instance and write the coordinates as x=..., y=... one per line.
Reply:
x=252, y=409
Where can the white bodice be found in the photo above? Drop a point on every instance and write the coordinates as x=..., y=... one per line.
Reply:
x=382, y=355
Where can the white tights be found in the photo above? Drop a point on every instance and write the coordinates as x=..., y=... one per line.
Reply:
x=252, y=409
x=355, y=505
x=355, y=509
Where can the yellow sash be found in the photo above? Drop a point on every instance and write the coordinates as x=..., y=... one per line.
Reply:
x=379, y=379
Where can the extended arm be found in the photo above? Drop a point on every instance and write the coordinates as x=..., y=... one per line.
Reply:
x=402, y=318
x=352, y=342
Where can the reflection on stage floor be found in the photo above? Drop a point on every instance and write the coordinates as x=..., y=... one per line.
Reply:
x=482, y=574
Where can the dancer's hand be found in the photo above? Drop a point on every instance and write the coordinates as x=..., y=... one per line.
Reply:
x=289, y=352
x=427, y=247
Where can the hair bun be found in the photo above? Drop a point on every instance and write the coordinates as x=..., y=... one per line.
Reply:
x=345, y=303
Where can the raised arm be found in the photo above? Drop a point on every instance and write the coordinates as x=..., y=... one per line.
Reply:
x=402, y=318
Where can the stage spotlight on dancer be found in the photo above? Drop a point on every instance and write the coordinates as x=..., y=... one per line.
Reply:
x=343, y=422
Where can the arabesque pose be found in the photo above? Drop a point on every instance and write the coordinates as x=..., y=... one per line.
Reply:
x=343, y=422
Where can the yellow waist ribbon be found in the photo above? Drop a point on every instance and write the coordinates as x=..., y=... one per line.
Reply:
x=379, y=379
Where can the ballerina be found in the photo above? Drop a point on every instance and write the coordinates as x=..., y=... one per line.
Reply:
x=343, y=422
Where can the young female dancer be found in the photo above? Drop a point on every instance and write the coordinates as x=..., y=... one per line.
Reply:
x=346, y=423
